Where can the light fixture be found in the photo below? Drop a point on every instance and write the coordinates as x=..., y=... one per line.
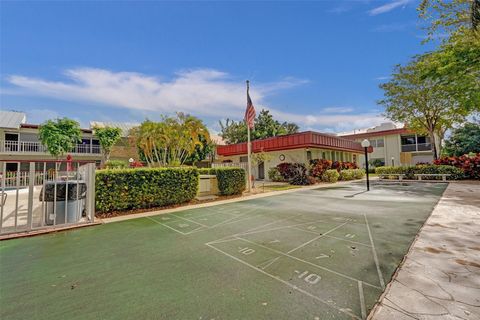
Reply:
x=365, y=143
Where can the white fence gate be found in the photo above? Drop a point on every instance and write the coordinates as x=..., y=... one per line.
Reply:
x=50, y=194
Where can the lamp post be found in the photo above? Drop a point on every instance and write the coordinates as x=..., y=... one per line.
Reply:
x=393, y=161
x=365, y=144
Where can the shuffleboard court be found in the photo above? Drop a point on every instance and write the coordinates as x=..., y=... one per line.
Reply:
x=324, y=253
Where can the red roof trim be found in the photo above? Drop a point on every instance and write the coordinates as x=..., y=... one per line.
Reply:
x=307, y=139
x=377, y=133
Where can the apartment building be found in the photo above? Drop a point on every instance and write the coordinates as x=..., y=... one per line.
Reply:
x=394, y=145
x=19, y=143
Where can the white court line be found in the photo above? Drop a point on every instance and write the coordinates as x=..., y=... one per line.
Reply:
x=149, y=218
x=192, y=221
x=276, y=228
x=242, y=233
x=228, y=221
x=272, y=261
x=362, y=300
x=288, y=284
x=380, y=276
x=212, y=214
x=317, y=237
x=337, y=238
x=196, y=230
x=307, y=262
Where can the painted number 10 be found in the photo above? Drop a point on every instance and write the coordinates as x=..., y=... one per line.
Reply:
x=311, y=278
x=246, y=251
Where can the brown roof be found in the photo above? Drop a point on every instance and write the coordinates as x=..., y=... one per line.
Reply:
x=307, y=139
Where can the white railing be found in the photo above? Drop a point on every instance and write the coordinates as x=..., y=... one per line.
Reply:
x=416, y=147
x=243, y=165
x=37, y=147
x=23, y=178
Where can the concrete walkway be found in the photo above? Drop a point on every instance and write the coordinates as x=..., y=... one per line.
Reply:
x=440, y=278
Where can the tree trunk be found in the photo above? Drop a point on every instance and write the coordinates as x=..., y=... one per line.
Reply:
x=433, y=142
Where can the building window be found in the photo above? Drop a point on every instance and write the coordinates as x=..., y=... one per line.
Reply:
x=409, y=143
x=380, y=143
x=415, y=143
x=423, y=143
x=377, y=143
x=244, y=159
x=309, y=155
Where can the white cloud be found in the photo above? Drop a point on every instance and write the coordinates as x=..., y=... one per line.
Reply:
x=388, y=7
x=205, y=92
x=337, y=110
x=332, y=122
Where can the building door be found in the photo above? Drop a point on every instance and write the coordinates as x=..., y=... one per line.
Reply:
x=261, y=171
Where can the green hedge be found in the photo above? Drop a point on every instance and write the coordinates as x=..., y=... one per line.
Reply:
x=330, y=175
x=351, y=174
x=230, y=180
x=126, y=189
x=410, y=171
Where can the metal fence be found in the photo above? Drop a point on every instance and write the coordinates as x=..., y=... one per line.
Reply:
x=46, y=196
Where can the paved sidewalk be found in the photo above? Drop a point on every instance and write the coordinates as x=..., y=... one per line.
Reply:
x=440, y=278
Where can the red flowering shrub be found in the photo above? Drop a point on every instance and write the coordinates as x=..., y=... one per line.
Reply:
x=136, y=164
x=470, y=164
x=286, y=170
x=319, y=166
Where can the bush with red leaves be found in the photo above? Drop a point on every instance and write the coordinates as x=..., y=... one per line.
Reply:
x=470, y=164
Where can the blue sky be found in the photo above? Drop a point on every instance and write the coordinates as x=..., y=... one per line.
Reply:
x=316, y=63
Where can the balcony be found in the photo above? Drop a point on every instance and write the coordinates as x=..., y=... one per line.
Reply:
x=23, y=147
x=416, y=147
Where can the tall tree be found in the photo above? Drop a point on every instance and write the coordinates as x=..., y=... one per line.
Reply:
x=265, y=127
x=173, y=141
x=107, y=137
x=422, y=103
x=463, y=140
x=60, y=136
x=449, y=17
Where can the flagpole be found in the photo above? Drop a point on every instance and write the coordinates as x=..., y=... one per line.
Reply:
x=249, y=150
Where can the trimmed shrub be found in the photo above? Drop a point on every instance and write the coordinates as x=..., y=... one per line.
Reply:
x=126, y=189
x=274, y=175
x=116, y=164
x=287, y=170
x=331, y=175
x=455, y=173
x=319, y=166
x=359, y=173
x=410, y=171
x=346, y=175
x=470, y=164
x=230, y=180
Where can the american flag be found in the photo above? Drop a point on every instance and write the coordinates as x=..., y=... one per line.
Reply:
x=250, y=112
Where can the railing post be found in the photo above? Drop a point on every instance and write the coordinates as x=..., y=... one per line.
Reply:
x=90, y=182
x=31, y=183
x=3, y=178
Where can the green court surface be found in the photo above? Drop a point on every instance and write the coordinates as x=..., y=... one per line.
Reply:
x=325, y=253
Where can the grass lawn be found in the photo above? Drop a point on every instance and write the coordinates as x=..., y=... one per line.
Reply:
x=312, y=254
x=280, y=187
